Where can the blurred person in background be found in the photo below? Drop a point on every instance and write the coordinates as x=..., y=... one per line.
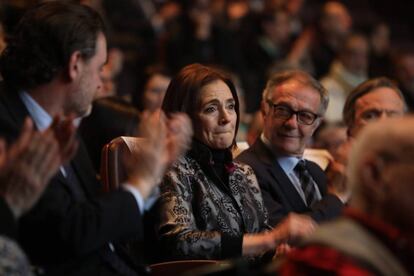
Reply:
x=151, y=92
x=403, y=62
x=348, y=70
x=379, y=37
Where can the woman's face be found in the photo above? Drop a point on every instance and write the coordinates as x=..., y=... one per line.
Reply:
x=216, y=117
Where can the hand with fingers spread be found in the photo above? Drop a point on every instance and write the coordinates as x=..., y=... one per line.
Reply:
x=166, y=140
x=27, y=166
x=180, y=132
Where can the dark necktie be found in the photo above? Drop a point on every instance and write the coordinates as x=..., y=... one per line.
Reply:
x=306, y=182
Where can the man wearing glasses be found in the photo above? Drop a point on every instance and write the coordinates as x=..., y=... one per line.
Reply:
x=293, y=105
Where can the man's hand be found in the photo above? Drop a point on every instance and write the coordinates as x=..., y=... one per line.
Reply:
x=292, y=227
x=65, y=134
x=27, y=166
x=166, y=140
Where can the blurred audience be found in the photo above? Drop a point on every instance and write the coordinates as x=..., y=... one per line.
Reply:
x=379, y=37
x=210, y=206
x=348, y=70
x=404, y=73
x=330, y=137
x=269, y=47
x=2, y=38
x=151, y=92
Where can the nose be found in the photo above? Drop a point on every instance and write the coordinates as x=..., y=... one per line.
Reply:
x=292, y=122
x=224, y=117
x=384, y=115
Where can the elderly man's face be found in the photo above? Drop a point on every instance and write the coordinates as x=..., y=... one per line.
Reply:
x=289, y=136
x=379, y=104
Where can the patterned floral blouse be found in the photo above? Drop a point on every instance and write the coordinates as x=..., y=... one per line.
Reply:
x=202, y=216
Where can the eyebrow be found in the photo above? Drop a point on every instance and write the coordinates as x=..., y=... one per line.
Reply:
x=216, y=101
x=288, y=105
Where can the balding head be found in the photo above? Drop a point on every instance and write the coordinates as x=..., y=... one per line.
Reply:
x=381, y=170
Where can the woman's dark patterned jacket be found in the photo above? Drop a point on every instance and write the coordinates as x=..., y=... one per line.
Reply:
x=203, y=218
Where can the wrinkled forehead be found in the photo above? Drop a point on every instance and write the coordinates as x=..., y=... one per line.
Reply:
x=295, y=92
x=382, y=98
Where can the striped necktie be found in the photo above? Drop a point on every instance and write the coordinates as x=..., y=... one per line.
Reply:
x=306, y=182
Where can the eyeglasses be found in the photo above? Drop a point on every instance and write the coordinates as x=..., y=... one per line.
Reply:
x=285, y=112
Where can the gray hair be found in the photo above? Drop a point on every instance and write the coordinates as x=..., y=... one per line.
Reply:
x=300, y=76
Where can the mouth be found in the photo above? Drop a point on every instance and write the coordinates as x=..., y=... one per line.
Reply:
x=223, y=132
x=289, y=136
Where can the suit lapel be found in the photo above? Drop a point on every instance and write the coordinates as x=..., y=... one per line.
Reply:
x=281, y=180
x=318, y=176
x=14, y=105
x=84, y=170
x=81, y=164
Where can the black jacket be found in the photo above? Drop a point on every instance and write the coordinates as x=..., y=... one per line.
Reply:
x=279, y=194
x=63, y=234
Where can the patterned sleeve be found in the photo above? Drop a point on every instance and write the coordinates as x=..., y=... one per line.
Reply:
x=253, y=185
x=178, y=233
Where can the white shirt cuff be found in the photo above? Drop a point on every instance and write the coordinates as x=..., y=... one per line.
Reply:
x=142, y=205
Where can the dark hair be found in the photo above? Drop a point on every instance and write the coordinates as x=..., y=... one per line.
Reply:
x=183, y=93
x=364, y=88
x=149, y=72
x=45, y=39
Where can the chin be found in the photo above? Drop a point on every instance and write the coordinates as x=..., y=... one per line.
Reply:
x=222, y=144
x=290, y=149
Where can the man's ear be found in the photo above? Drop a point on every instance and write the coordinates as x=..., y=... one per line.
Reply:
x=75, y=65
x=371, y=174
x=264, y=108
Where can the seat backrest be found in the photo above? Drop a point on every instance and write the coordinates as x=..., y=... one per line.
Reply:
x=114, y=156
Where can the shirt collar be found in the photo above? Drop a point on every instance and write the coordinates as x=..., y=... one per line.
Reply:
x=40, y=117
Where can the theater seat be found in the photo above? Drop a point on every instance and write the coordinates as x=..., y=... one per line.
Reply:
x=114, y=155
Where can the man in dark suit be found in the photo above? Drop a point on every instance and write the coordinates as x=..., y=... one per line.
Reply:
x=51, y=68
x=292, y=107
x=22, y=181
